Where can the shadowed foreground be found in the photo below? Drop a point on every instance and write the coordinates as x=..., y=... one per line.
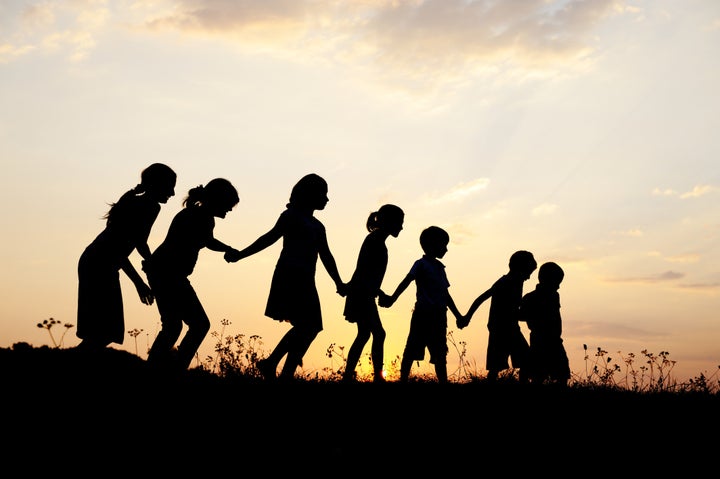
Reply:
x=69, y=412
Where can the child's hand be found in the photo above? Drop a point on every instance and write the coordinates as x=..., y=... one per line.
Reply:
x=145, y=293
x=232, y=256
x=385, y=301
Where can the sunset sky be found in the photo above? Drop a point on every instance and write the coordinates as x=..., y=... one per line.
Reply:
x=587, y=132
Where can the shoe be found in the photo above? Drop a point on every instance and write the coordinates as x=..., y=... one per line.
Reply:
x=266, y=369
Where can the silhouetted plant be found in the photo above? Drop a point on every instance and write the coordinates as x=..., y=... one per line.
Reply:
x=464, y=372
x=134, y=333
x=335, y=372
x=234, y=355
x=48, y=324
x=653, y=376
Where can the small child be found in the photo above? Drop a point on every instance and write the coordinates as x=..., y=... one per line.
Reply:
x=293, y=295
x=428, y=324
x=505, y=339
x=169, y=267
x=364, y=287
x=541, y=310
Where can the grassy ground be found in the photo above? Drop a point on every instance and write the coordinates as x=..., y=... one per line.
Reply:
x=68, y=411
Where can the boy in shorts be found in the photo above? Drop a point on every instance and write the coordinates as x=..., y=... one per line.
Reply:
x=428, y=324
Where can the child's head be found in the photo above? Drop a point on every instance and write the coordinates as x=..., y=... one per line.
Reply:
x=158, y=180
x=522, y=263
x=551, y=274
x=389, y=218
x=309, y=192
x=219, y=196
x=434, y=241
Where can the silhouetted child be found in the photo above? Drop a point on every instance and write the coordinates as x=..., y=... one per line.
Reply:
x=364, y=287
x=541, y=310
x=428, y=324
x=169, y=267
x=293, y=294
x=100, y=316
x=505, y=339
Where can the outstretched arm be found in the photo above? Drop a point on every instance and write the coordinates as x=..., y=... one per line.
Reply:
x=390, y=300
x=258, y=245
x=217, y=245
x=476, y=304
x=463, y=321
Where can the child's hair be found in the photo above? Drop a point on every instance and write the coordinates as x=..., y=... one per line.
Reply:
x=157, y=174
x=550, y=273
x=522, y=261
x=432, y=236
x=307, y=189
x=219, y=191
x=386, y=215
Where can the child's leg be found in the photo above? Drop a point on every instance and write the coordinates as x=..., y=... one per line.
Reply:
x=405, y=366
x=441, y=372
x=363, y=334
x=377, y=353
x=298, y=347
x=170, y=328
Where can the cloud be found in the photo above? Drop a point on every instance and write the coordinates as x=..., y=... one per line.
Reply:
x=417, y=38
x=459, y=192
x=544, y=209
x=700, y=286
x=664, y=192
x=633, y=233
x=686, y=258
x=696, y=192
x=601, y=331
x=68, y=27
x=658, y=278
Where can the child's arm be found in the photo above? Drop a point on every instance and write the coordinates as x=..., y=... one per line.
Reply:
x=475, y=305
x=143, y=250
x=453, y=309
x=390, y=300
x=230, y=252
x=328, y=260
x=258, y=245
x=146, y=295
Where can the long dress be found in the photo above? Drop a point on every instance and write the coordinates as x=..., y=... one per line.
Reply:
x=100, y=314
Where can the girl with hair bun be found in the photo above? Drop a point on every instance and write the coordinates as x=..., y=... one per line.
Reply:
x=171, y=264
x=364, y=287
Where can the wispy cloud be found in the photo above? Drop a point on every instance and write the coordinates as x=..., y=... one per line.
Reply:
x=633, y=233
x=657, y=278
x=67, y=27
x=696, y=192
x=459, y=192
x=601, y=331
x=544, y=209
x=423, y=39
x=685, y=258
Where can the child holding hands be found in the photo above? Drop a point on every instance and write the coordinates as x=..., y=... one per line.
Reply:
x=505, y=339
x=428, y=323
